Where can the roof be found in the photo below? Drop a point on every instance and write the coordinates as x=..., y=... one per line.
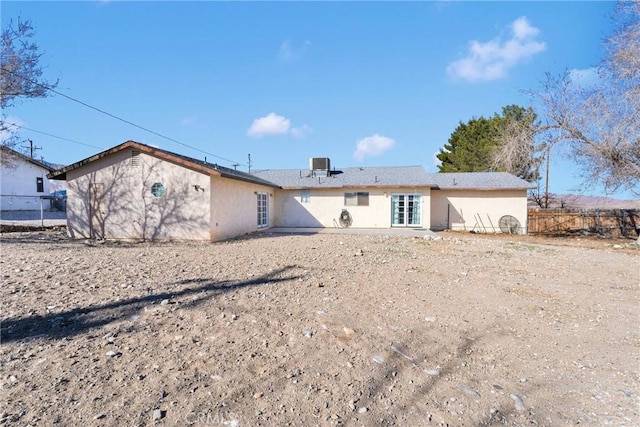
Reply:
x=353, y=177
x=480, y=181
x=42, y=164
x=401, y=176
x=185, y=161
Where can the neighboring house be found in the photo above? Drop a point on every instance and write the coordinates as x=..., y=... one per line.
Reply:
x=134, y=191
x=23, y=181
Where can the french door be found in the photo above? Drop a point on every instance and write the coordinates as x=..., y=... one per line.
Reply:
x=406, y=210
x=263, y=210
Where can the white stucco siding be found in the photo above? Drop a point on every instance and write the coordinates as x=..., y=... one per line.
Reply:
x=18, y=185
x=234, y=207
x=466, y=210
x=324, y=206
x=112, y=198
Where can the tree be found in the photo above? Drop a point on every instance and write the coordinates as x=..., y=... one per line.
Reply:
x=599, y=121
x=475, y=146
x=517, y=150
x=20, y=72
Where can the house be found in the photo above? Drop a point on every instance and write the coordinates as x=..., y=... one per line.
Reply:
x=23, y=181
x=363, y=197
x=134, y=191
x=383, y=197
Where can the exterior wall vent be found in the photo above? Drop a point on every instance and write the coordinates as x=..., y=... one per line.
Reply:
x=135, y=158
x=319, y=164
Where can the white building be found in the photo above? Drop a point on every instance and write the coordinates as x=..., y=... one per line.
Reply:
x=23, y=181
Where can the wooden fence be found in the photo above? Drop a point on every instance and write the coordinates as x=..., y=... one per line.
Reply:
x=604, y=222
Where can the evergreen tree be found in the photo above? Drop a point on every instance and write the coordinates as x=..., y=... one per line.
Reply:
x=474, y=146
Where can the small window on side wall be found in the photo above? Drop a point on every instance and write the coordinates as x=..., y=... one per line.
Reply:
x=40, y=185
x=305, y=196
x=157, y=190
x=356, y=199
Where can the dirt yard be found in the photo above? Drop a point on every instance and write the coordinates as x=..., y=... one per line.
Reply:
x=320, y=330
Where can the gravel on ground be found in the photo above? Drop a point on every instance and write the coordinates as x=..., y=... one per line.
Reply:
x=305, y=330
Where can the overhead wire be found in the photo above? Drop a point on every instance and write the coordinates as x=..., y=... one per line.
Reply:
x=120, y=118
x=53, y=136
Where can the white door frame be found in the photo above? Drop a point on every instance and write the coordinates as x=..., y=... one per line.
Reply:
x=404, y=215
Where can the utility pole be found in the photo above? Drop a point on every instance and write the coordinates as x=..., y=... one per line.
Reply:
x=31, y=148
x=249, y=156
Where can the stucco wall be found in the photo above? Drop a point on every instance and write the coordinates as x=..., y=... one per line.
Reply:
x=325, y=205
x=125, y=208
x=234, y=207
x=18, y=185
x=477, y=210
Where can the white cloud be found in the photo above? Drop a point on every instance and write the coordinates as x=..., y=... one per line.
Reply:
x=273, y=124
x=301, y=131
x=436, y=161
x=493, y=59
x=584, y=77
x=288, y=52
x=372, y=146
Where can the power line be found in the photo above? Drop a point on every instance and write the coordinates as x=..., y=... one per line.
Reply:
x=116, y=117
x=54, y=136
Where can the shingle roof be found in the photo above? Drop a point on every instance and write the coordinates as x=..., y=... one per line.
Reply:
x=402, y=176
x=479, y=181
x=189, y=162
x=42, y=164
x=354, y=177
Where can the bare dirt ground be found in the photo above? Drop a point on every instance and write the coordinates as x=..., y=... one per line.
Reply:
x=320, y=330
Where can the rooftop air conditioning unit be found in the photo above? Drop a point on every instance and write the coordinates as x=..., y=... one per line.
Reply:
x=319, y=164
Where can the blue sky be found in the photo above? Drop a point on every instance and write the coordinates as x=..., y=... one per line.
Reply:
x=364, y=83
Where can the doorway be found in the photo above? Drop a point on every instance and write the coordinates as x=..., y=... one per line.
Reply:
x=406, y=210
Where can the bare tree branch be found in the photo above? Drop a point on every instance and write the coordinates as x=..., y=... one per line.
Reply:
x=600, y=121
x=20, y=73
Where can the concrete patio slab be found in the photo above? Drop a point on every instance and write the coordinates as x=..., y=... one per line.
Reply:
x=408, y=232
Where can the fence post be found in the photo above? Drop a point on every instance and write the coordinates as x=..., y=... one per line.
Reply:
x=41, y=212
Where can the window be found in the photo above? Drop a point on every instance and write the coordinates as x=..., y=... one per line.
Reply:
x=263, y=210
x=40, y=185
x=356, y=199
x=305, y=195
x=157, y=190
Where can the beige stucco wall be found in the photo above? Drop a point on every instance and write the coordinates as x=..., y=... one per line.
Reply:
x=125, y=207
x=467, y=210
x=325, y=205
x=234, y=207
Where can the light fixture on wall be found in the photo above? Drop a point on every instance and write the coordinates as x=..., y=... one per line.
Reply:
x=197, y=187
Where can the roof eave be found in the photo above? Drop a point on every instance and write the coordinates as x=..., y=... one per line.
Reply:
x=485, y=188
x=28, y=159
